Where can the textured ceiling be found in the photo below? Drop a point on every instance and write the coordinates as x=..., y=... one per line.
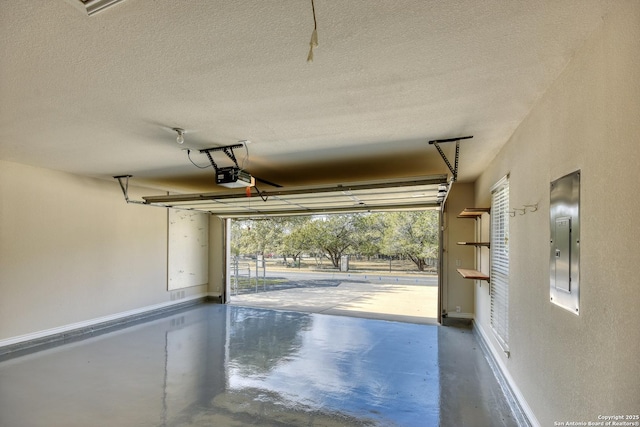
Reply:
x=98, y=95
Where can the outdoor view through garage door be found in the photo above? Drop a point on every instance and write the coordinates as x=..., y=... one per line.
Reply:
x=375, y=265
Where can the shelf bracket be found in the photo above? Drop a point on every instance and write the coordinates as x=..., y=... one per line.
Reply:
x=453, y=169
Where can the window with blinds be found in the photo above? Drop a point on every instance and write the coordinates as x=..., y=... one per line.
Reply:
x=500, y=261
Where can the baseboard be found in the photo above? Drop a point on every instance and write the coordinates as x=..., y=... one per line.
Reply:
x=65, y=332
x=456, y=315
x=519, y=405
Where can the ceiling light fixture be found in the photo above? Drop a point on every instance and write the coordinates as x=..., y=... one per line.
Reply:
x=180, y=137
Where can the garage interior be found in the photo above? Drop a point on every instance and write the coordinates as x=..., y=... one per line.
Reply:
x=117, y=117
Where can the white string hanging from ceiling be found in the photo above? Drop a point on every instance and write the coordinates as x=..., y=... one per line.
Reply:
x=314, y=35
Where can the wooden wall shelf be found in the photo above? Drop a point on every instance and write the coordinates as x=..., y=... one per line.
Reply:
x=474, y=244
x=473, y=212
x=472, y=274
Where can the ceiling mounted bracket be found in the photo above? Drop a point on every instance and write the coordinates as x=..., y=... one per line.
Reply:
x=125, y=188
x=123, y=180
x=453, y=169
x=227, y=149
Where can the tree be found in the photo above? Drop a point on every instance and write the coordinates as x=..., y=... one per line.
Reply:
x=369, y=231
x=413, y=235
x=292, y=242
x=254, y=236
x=331, y=235
x=240, y=238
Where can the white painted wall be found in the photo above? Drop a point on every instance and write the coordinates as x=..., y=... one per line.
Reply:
x=568, y=367
x=72, y=250
x=216, y=256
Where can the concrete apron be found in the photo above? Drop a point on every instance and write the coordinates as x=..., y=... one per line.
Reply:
x=403, y=303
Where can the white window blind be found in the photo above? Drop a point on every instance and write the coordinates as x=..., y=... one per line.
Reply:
x=500, y=261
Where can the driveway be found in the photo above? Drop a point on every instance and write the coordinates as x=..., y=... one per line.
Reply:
x=404, y=298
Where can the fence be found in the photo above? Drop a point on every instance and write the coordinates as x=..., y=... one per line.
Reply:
x=241, y=278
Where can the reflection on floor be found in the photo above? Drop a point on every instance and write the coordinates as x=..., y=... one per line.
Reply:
x=217, y=365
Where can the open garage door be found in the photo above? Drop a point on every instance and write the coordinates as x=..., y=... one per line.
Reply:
x=371, y=196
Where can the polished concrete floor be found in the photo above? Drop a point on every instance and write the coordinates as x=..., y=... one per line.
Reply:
x=218, y=365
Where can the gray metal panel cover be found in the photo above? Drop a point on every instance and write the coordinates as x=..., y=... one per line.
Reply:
x=564, y=257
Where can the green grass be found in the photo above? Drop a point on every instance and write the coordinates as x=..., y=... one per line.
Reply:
x=247, y=283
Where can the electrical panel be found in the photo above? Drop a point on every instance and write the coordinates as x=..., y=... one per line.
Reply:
x=564, y=259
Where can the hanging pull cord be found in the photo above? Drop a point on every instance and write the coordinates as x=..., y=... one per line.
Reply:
x=314, y=35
